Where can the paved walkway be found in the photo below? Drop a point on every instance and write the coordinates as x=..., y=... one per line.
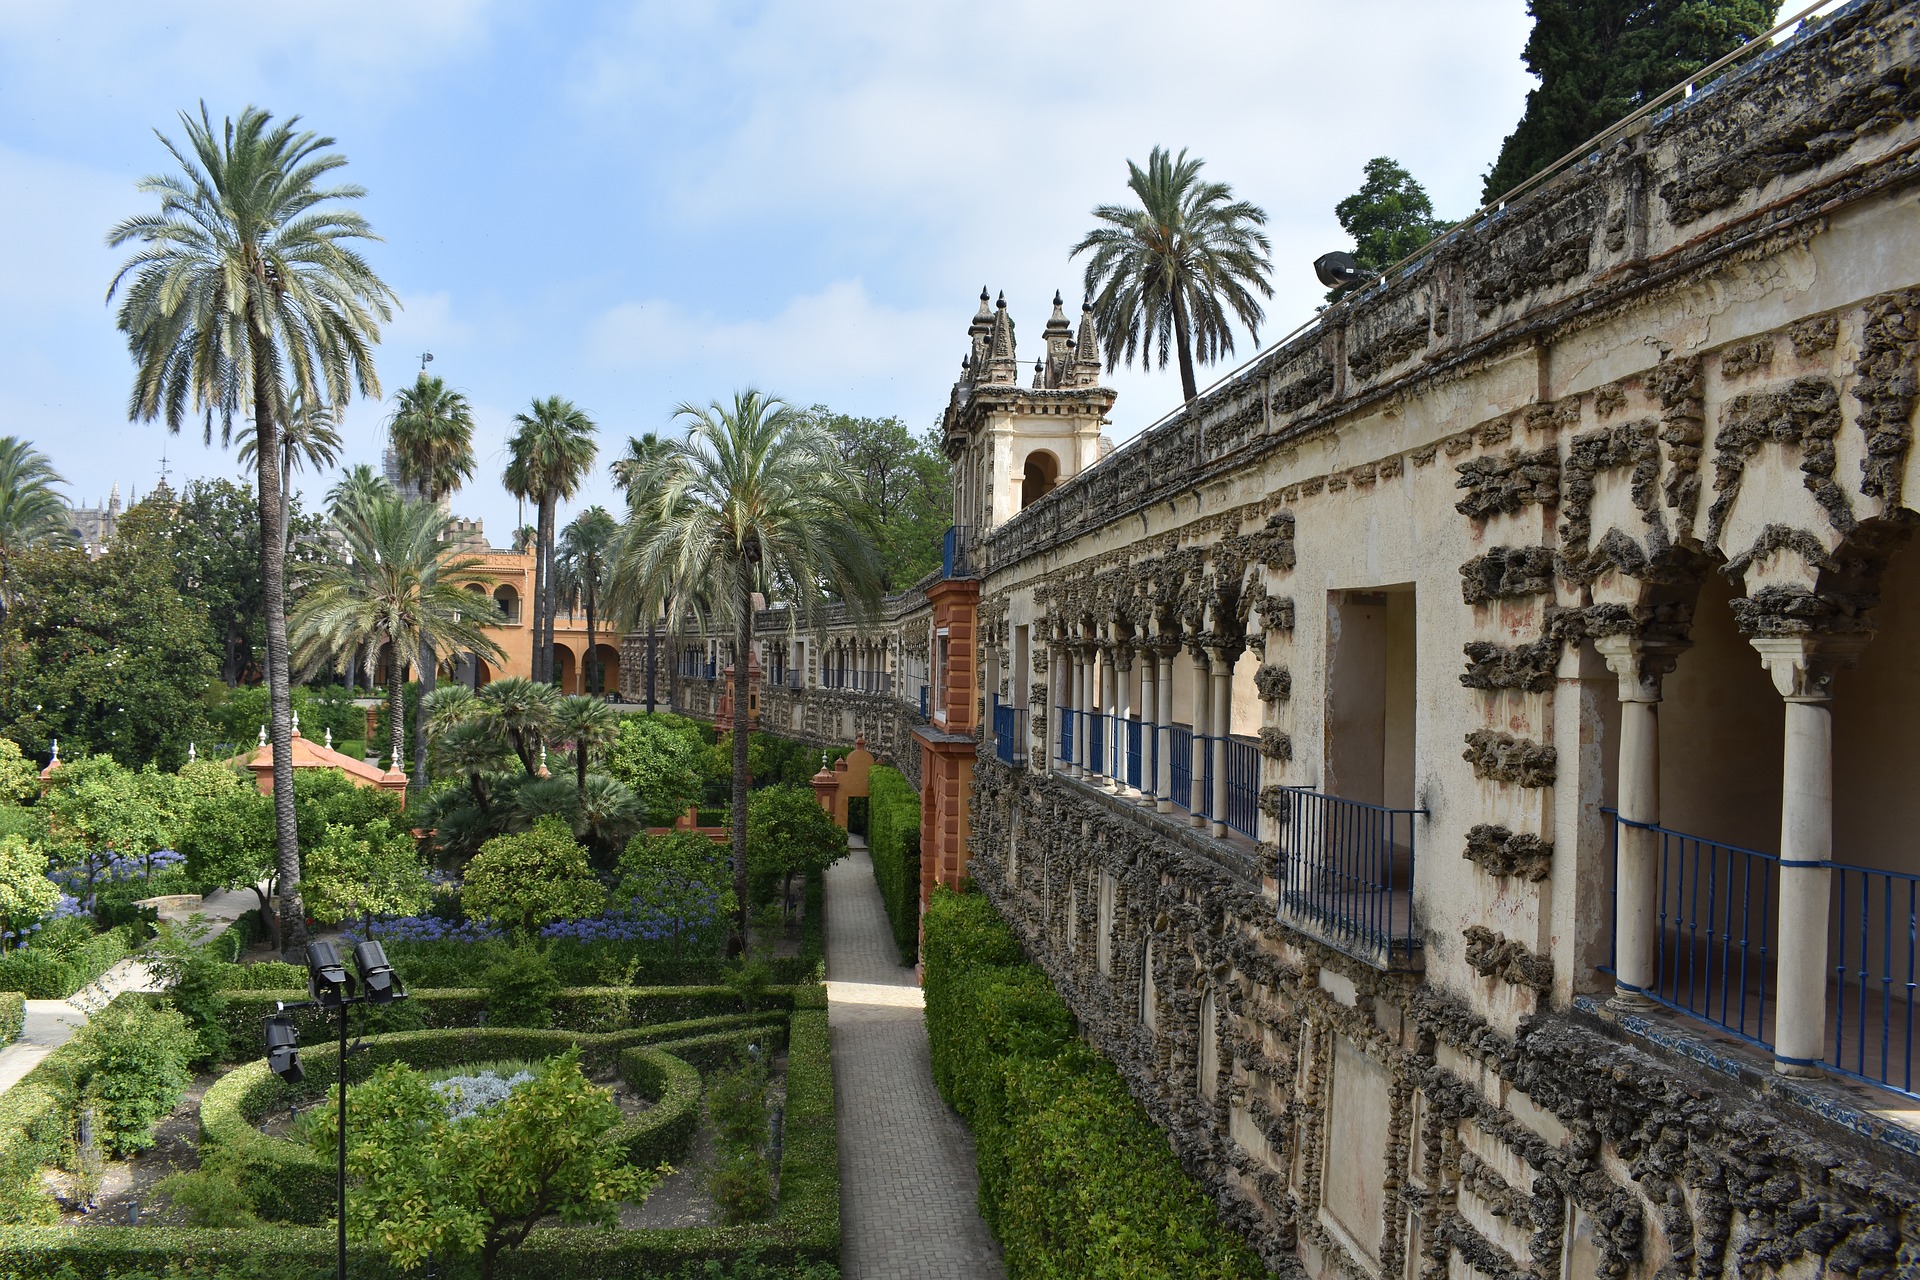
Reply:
x=907, y=1184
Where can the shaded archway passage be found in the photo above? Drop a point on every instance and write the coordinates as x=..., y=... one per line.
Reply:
x=566, y=671
x=1041, y=474
x=606, y=669
x=508, y=599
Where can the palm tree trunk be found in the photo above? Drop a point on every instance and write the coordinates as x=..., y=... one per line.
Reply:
x=273, y=582
x=396, y=708
x=543, y=591
x=743, y=636
x=1182, y=335
x=652, y=628
x=427, y=673
x=590, y=669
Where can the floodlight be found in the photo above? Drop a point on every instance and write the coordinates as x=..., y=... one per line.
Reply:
x=1340, y=269
x=328, y=981
x=282, y=1058
x=377, y=978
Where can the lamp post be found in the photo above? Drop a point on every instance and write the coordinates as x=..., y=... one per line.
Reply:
x=330, y=986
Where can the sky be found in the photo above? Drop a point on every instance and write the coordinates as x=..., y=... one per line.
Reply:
x=640, y=205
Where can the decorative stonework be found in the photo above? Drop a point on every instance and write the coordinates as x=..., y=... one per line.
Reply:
x=1276, y=745
x=1804, y=413
x=1500, y=852
x=1501, y=757
x=1499, y=484
x=1884, y=384
x=1507, y=573
x=1273, y=683
x=1494, y=955
x=1528, y=667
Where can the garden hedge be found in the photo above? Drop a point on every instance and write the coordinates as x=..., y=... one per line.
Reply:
x=432, y=964
x=13, y=1015
x=1075, y=1178
x=893, y=839
x=41, y=974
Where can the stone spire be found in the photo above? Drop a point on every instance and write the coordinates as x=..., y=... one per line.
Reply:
x=1002, y=365
x=978, y=334
x=1059, y=339
x=1086, y=351
x=1039, y=375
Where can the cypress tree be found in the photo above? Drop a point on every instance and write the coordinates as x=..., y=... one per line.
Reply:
x=1598, y=60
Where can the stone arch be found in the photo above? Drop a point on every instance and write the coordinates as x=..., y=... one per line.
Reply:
x=1149, y=992
x=1039, y=475
x=607, y=659
x=507, y=598
x=566, y=670
x=1207, y=1052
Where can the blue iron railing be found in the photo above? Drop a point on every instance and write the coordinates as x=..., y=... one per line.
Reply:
x=1065, y=745
x=1243, y=787
x=1009, y=738
x=1209, y=751
x=1133, y=734
x=956, y=552
x=925, y=712
x=1876, y=945
x=1180, y=765
x=1097, y=730
x=1346, y=870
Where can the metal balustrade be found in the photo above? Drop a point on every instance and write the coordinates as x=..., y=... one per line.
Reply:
x=1243, y=787
x=1180, y=765
x=1875, y=942
x=1009, y=741
x=1346, y=871
x=1096, y=741
x=1132, y=731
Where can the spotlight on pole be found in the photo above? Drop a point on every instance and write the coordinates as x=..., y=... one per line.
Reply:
x=1337, y=270
x=377, y=978
x=328, y=981
x=283, y=1059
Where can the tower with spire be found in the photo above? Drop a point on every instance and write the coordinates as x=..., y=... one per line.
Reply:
x=1011, y=444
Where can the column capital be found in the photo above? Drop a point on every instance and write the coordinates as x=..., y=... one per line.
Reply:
x=1803, y=666
x=1640, y=664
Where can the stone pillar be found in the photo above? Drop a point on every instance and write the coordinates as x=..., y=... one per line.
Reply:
x=1149, y=725
x=1083, y=703
x=1802, y=668
x=1163, y=729
x=1202, y=724
x=1122, y=714
x=1639, y=669
x=1109, y=683
x=1221, y=662
x=1057, y=676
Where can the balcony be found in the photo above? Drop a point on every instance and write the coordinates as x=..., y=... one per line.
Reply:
x=1346, y=875
x=1009, y=734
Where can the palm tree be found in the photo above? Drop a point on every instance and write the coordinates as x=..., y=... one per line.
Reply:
x=356, y=485
x=32, y=514
x=756, y=491
x=549, y=457
x=432, y=431
x=309, y=435
x=246, y=282
x=403, y=583
x=591, y=725
x=582, y=568
x=642, y=452
x=1167, y=272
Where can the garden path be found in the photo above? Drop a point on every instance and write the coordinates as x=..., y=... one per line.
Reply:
x=907, y=1183
x=51, y=1023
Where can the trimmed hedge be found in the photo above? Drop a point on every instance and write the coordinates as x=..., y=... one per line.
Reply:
x=468, y=962
x=893, y=839
x=1075, y=1178
x=13, y=1015
x=40, y=974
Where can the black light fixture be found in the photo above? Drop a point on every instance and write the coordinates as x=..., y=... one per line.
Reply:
x=377, y=979
x=283, y=1059
x=1338, y=270
x=328, y=982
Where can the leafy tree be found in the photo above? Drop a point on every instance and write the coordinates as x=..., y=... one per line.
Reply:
x=369, y=871
x=246, y=282
x=25, y=892
x=427, y=1187
x=789, y=834
x=1389, y=217
x=660, y=763
x=908, y=486
x=105, y=656
x=1166, y=272
x=549, y=456
x=432, y=431
x=405, y=586
x=32, y=514
x=19, y=780
x=191, y=976
x=681, y=876
x=524, y=881
x=755, y=493
x=583, y=567
x=228, y=842
x=1598, y=60
x=100, y=804
x=132, y=1060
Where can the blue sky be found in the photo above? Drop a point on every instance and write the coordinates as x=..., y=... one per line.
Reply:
x=639, y=204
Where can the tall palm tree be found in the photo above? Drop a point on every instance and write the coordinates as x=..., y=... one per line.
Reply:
x=309, y=435
x=755, y=492
x=432, y=430
x=1167, y=272
x=403, y=584
x=247, y=282
x=32, y=514
x=356, y=485
x=642, y=452
x=590, y=725
x=583, y=566
x=548, y=458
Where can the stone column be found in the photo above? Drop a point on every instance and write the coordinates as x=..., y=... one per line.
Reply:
x=1122, y=714
x=1083, y=703
x=1222, y=663
x=1639, y=669
x=1163, y=730
x=1202, y=723
x=1149, y=725
x=1802, y=668
x=1104, y=726
x=1057, y=676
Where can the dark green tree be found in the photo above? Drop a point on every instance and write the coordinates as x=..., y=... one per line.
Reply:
x=1598, y=60
x=1389, y=217
x=907, y=484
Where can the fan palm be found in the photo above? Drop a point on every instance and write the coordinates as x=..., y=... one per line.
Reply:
x=756, y=491
x=432, y=430
x=1166, y=273
x=583, y=565
x=591, y=725
x=548, y=458
x=404, y=582
x=247, y=282
x=526, y=711
x=32, y=514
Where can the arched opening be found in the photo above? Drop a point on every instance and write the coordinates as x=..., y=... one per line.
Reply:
x=607, y=669
x=1042, y=473
x=479, y=674
x=566, y=672
x=508, y=601
x=1208, y=1067
x=1149, y=996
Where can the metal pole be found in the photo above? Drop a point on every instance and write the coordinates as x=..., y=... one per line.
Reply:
x=340, y=1262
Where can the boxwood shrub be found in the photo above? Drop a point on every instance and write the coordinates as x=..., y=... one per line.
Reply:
x=13, y=1015
x=54, y=972
x=893, y=840
x=1075, y=1178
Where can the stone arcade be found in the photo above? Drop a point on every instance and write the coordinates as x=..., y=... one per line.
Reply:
x=1461, y=769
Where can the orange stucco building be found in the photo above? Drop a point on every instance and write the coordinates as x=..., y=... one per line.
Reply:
x=511, y=575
